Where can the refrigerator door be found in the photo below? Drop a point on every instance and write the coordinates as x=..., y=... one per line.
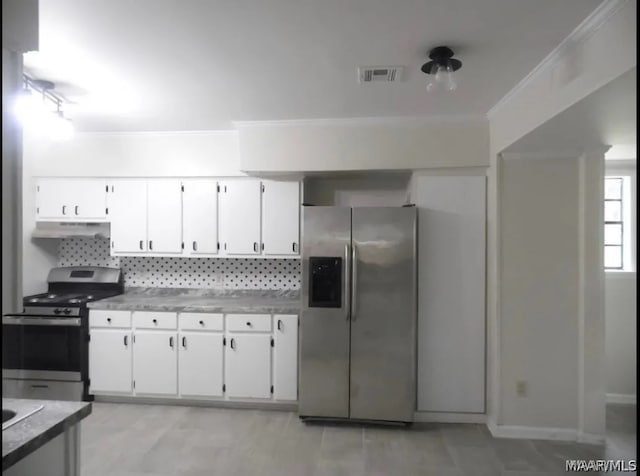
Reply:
x=383, y=314
x=324, y=320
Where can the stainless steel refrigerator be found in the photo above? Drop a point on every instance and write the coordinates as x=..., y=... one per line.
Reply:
x=358, y=320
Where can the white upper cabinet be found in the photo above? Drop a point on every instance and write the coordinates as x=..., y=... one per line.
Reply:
x=240, y=217
x=71, y=199
x=128, y=213
x=281, y=218
x=181, y=217
x=200, y=217
x=164, y=216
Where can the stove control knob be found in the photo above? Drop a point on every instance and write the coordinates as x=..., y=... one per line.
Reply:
x=57, y=311
x=67, y=311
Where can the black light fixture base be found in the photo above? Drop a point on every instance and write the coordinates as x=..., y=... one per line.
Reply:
x=443, y=56
x=440, y=52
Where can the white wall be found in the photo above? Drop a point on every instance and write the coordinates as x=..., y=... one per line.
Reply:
x=621, y=333
x=19, y=34
x=539, y=292
x=363, y=145
x=20, y=25
x=181, y=154
x=11, y=187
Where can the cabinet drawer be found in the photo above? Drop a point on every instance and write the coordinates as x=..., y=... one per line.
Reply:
x=248, y=323
x=102, y=318
x=155, y=320
x=199, y=321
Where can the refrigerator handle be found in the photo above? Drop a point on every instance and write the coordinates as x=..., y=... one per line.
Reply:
x=354, y=280
x=347, y=276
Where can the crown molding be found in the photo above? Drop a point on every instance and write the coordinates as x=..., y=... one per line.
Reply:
x=584, y=30
x=215, y=132
x=569, y=153
x=365, y=121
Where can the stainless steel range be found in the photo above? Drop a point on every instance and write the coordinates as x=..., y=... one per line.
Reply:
x=45, y=348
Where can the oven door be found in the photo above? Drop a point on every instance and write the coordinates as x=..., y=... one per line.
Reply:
x=41, y=347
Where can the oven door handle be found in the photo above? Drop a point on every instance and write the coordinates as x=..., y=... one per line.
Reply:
x=40, y=321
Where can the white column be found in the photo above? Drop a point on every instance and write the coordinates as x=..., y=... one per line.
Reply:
x=591, y=323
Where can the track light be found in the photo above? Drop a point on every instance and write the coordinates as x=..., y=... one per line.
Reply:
x=37, y=107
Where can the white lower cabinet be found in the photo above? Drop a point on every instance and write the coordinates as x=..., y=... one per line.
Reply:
x=110, y=361
x=248, y=365
x=194, y=355
x=155, y=363
x=200, y=364
x=285, y=357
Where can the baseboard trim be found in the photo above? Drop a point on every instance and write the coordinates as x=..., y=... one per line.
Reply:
x=532, y=432
x=628, y=399
x=446, y=417
x=591, y=438
x=279, y=406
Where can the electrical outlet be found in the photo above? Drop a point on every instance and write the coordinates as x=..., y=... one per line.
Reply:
x=521, y=388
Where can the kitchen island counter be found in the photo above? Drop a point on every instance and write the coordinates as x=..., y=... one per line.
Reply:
x=30, y=434
x=203, y=300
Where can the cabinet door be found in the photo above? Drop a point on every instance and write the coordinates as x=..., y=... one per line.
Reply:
x=281, y=218
x=285, y=357
x=200, y=218
x=240, y=217
x=451, y=293
x=164, y=205
x=128, y=212
x=248, y=365
x=88, y=199
x=52, y=197
x=110, y=361
x=200, y=364
x=155, y=363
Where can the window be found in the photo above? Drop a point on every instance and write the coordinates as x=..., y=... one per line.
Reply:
x=618, y=245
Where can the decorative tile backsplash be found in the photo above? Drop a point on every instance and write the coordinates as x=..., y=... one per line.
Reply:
x=227, y=273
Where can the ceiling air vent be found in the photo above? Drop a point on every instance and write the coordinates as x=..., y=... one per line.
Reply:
x=379, y=74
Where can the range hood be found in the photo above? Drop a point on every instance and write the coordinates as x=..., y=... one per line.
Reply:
x=71, y=230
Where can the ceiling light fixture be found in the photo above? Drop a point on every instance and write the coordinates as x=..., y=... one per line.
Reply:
x=38, y=107
x=441, y=68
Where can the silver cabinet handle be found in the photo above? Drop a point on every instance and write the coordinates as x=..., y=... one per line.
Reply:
x=195, y=246
x=141, y=244
x=294, y=247
x=171, y=342
x=346, y=291
x=255, y=247
x=279, y=325
x=354, y=280
x=184, y=342
x=151, y=244
x=76, y=209
x=232, y=344
x=126, y=341
x=64, y=209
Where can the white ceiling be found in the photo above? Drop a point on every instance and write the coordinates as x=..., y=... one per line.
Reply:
x=608, y=116
x=135, y=65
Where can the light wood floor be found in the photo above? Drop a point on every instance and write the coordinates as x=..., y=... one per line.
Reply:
x=158, y=440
